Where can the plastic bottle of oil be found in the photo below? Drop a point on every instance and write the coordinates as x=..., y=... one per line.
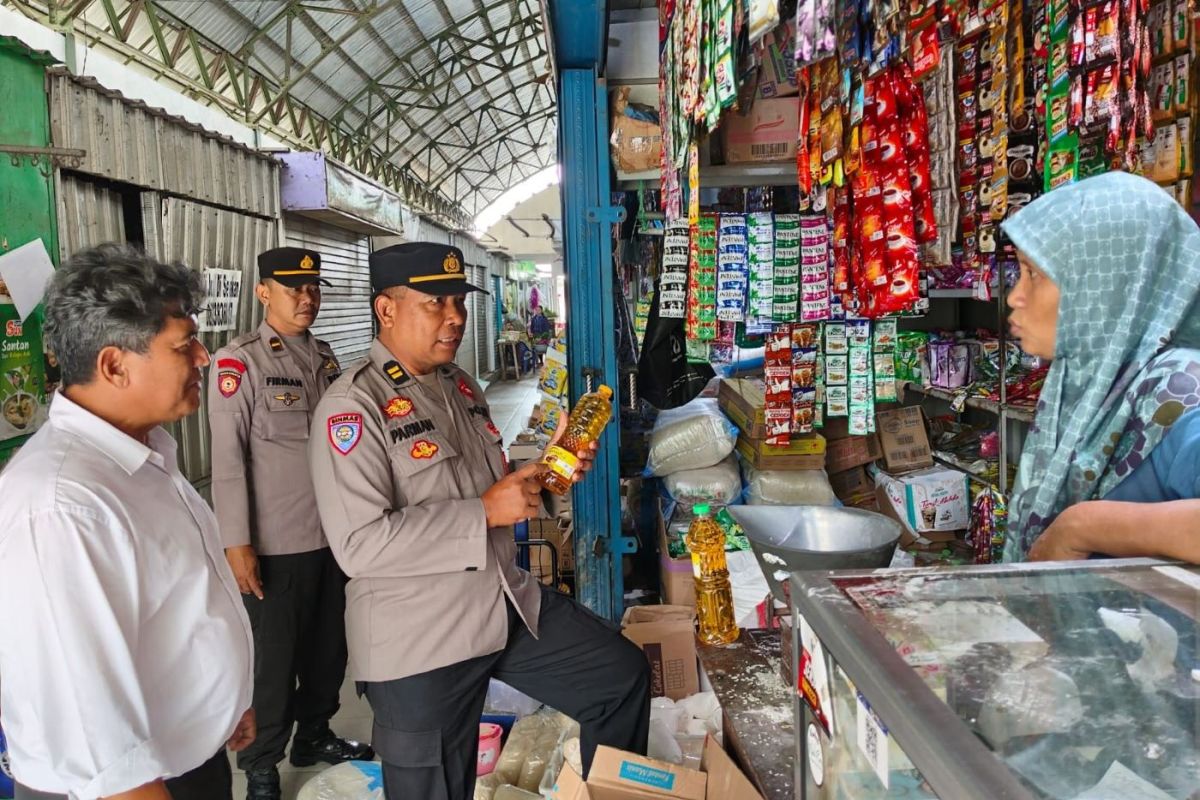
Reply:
x=714, y=597
x=584, y=426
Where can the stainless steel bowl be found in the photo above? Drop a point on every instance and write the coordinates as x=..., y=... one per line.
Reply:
x=788, y=539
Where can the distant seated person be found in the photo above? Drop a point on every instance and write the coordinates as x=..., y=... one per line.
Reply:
x=540, y=333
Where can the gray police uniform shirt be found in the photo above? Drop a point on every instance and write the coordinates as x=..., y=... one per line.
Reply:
x=401, y=464
x=263, y=389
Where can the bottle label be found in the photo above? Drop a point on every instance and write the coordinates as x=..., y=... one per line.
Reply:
x=562, y=463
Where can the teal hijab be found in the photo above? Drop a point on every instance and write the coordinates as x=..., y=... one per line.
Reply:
x=1126, y=259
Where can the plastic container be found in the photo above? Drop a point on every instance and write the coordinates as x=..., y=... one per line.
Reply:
x=714, y=595
x=584, y=426
x=489, y=748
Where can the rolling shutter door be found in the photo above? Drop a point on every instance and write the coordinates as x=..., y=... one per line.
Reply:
x=466, y=351
x=345, y=318
x=483, y=315
x=205, y=237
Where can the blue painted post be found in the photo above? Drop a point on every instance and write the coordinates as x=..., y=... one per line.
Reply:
x=591, y=335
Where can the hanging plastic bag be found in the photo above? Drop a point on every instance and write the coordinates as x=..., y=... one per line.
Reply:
x=666, y=378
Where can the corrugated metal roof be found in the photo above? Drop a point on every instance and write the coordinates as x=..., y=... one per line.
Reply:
x=432, y=61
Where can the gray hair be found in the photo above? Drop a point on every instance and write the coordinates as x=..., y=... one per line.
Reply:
x=113, y=295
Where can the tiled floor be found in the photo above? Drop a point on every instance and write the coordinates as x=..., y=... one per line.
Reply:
x=511, y=403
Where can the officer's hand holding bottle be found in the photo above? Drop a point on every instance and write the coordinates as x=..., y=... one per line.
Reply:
x=517, y=497
x=514, y=498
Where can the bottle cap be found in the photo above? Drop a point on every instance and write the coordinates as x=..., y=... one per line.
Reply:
x=701, y=509
x=604, y=392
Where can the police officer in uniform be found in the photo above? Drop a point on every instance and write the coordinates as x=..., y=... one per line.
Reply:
x=262, y=393
x=417, y=500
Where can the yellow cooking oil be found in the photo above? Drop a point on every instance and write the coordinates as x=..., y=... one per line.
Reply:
x=714, y=597
x=584, y=426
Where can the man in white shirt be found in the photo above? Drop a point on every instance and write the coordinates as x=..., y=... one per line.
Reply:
x=126, y=658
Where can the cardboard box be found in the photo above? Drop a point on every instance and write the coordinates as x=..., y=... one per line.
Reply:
x=851, y=482
x=930, y=501
x=903, y=439
x=675, y=574
x=767, y=133
x=744, y=400
x=667, y=635
x=525, y=448
x=636, y=145
x=836, y=428
x=796, y=456
x=851, y=452
x=778, y=75
x=617, y=775
x=560, y=534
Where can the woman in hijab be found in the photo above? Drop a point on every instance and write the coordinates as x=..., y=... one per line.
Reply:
x=1110, y=290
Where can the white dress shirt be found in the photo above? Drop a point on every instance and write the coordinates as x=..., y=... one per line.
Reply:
x=125, y=651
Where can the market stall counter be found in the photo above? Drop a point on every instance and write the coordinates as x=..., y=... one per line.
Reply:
x=1076, y=681
x=757, y=709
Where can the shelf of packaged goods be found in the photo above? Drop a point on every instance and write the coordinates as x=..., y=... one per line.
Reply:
x=946, y=460
x=776, y=173
x=960, y=294
x=1018, y=413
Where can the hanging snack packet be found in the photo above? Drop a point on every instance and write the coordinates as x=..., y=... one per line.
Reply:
x=673, y=282
x=733, y=269
x=761, y=230
x=777, y=371
x=786, y=296
x=814, y=268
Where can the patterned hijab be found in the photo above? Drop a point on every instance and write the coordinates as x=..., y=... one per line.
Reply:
x=1126, y=259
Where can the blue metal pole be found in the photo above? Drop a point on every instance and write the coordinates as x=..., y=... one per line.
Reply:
x=588, y=216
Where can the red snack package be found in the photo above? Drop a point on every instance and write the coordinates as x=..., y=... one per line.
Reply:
x=841, y=240
x=803, y=157
x=916, y=147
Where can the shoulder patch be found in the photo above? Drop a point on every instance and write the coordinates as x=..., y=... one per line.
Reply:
x=229, y=376
x=344, y=431
x=395, y=373
x=466, y=390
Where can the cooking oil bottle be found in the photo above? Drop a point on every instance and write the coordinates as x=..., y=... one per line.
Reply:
x=714, y=597
x=584, y=426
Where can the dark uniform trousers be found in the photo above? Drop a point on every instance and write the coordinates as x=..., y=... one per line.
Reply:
x=212, y=780
x=299, y=651
x=427, y=726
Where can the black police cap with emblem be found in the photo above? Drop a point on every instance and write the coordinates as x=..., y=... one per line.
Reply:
x=428, y=267
x=291, y=266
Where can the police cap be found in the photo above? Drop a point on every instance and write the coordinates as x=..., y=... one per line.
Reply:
x=428, y=267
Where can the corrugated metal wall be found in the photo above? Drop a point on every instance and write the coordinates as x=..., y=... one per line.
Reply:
x=204, y=237
x=131, y=143
x=88, y=214
x=345, y=320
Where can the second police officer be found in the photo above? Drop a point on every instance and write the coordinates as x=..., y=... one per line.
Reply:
x=263, y=390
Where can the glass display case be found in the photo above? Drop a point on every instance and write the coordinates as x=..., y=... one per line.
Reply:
x=1031, y=681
